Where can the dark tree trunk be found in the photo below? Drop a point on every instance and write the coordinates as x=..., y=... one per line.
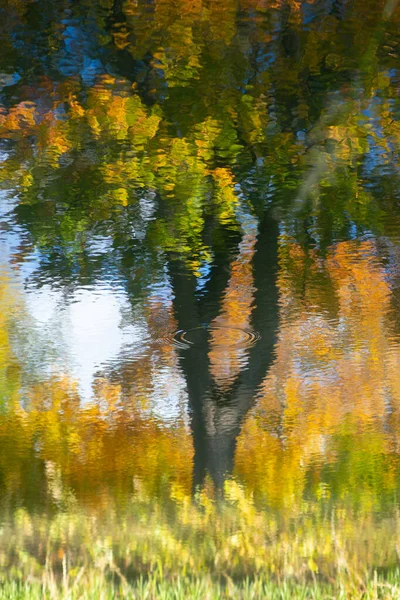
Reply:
x=216, y=415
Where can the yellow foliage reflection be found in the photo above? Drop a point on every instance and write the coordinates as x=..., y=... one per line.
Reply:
x=326, y=421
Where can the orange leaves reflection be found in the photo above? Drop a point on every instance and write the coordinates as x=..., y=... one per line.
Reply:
x=99, y=450
x=226, y=356
x=331, y=398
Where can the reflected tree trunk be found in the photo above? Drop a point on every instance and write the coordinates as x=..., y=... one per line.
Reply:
x=217, y=415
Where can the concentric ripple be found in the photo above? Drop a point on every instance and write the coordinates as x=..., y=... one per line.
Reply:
x=223, y=336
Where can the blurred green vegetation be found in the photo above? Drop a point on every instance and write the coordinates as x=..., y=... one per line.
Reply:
x=147, y=551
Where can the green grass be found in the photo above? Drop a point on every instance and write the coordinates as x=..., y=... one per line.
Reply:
x=89, y=588
x=180, y=549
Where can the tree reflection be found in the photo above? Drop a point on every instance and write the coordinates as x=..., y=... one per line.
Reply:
x=217, y=411
x=135, y=136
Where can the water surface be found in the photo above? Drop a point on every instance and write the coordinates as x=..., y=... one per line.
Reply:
x=200, y=251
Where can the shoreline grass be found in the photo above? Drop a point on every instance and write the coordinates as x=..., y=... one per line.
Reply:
x=94, y=587
x=183, y=549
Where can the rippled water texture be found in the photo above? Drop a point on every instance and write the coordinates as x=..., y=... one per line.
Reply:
x=200, y=255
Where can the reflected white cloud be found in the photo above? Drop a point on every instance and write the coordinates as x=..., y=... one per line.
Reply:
x=90, y=326
x=83, y=332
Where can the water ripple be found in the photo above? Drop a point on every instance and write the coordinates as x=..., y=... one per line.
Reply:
x=222, y=336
